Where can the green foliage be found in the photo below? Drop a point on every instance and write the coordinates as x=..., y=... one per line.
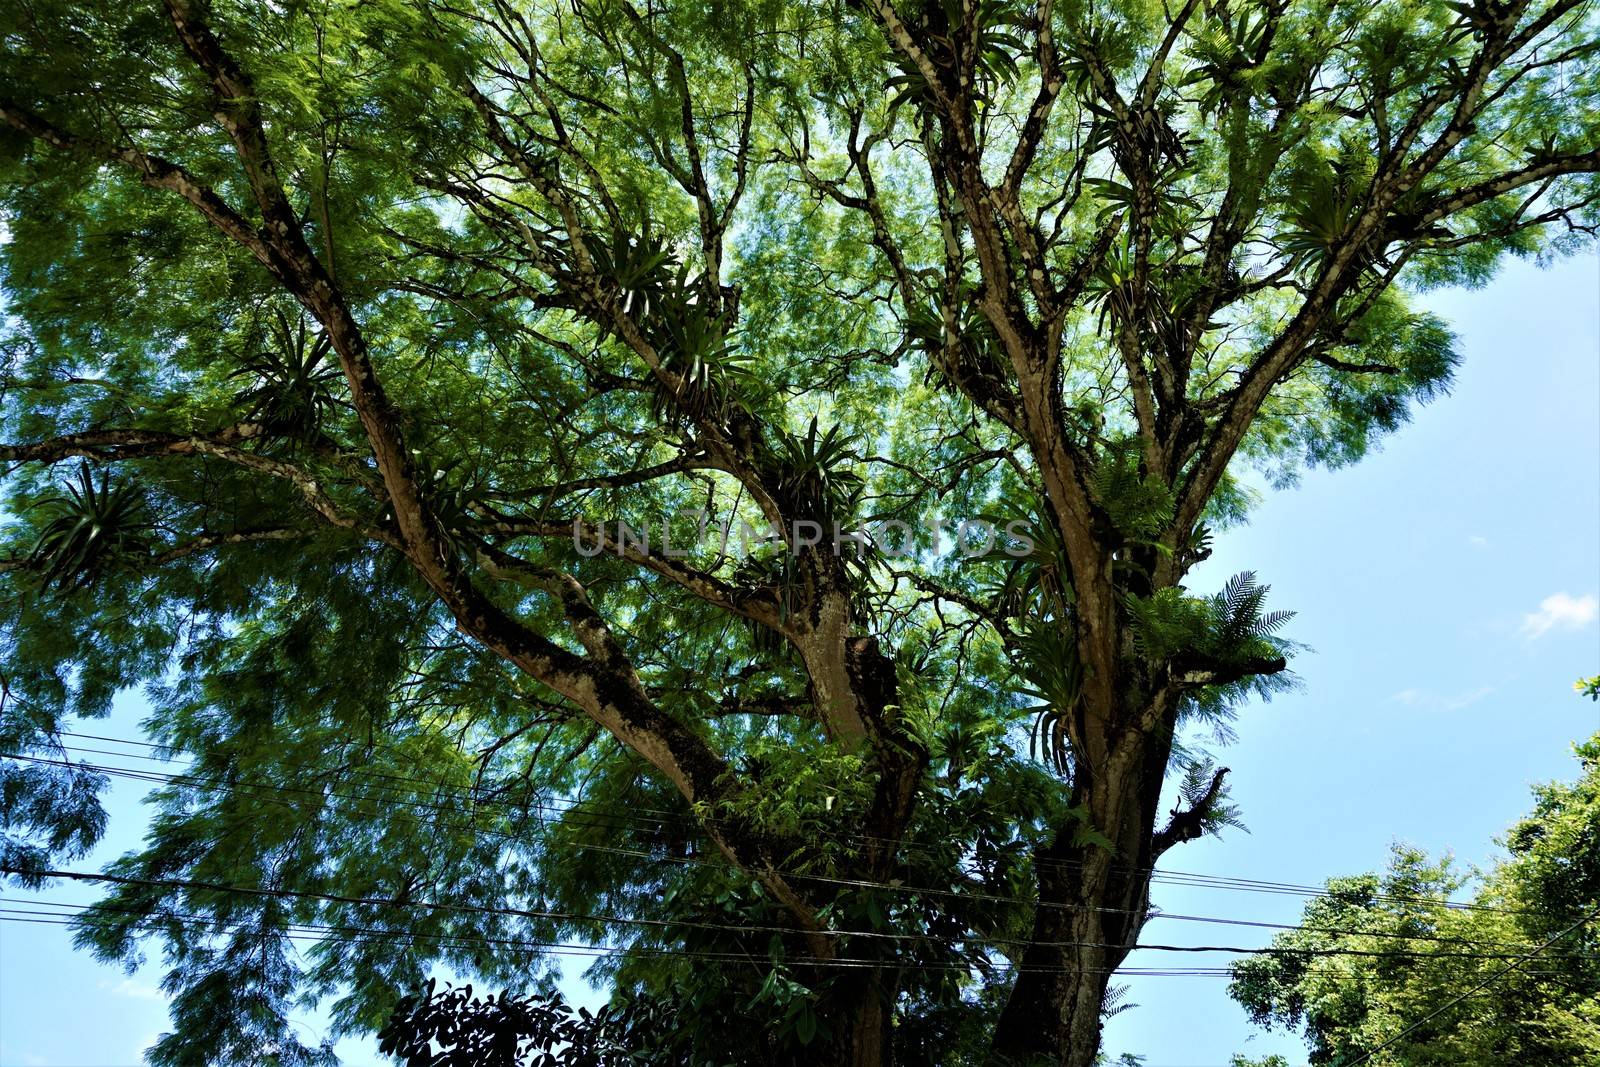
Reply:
x=1321, y=203
x=806, y=790
x=292, y=382
x=995, y=47
x=814, y=473
x=451, y=1027
x=1047, y=658
x=1216, y=813
x=1033, y=574
x=92, y=528
x=1390, y=357
x=51, y=812
x=1222, y=630
x=1221, y=643
x=1545, y=1010
x=1138, y=502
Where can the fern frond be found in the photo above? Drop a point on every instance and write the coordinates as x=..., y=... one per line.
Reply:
x=1271, y=622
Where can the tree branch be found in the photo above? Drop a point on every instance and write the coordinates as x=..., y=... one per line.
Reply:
x=1189, y=825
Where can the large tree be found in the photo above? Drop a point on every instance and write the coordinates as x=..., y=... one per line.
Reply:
x=340, y=333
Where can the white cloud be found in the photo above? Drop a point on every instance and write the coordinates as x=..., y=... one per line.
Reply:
x=134, y=990
x=1560, y=610
x=1463, y=700
x=1429, y=700
x=1478, y=542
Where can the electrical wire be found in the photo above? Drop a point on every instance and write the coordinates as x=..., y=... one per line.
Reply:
x=318, y=932
x=1447, y=1005
x=557, y=916
x=1160, y=875
x=322, y=794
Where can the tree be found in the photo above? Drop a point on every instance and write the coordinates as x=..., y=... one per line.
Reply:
x=1444, y=998
x=366, y=323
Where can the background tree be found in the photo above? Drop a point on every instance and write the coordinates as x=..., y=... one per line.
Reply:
x=1545, y=1010
x=357, y=312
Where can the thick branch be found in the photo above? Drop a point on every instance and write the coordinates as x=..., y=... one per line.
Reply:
x=1189, y=825
x=105, y=446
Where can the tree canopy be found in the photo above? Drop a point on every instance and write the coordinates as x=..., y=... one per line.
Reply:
x=1449, y=1001
x=340, y=336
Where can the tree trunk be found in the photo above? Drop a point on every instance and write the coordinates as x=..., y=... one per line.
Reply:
x=858, y=1008
x=869, y=1036
x=1092, y=903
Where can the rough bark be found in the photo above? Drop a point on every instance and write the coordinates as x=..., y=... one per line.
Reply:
x=1092, y=902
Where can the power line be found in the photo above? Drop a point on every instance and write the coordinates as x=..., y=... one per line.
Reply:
x=367, y=935
x=1447, y=1005
x=324, y=933
x=356, y=935
x=525, y=913
x=562, y=805
x=314, y=933
x=323, y=795
x=342, y=932
x=565, y=807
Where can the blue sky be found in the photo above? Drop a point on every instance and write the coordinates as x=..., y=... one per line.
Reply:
x=1446, y=585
